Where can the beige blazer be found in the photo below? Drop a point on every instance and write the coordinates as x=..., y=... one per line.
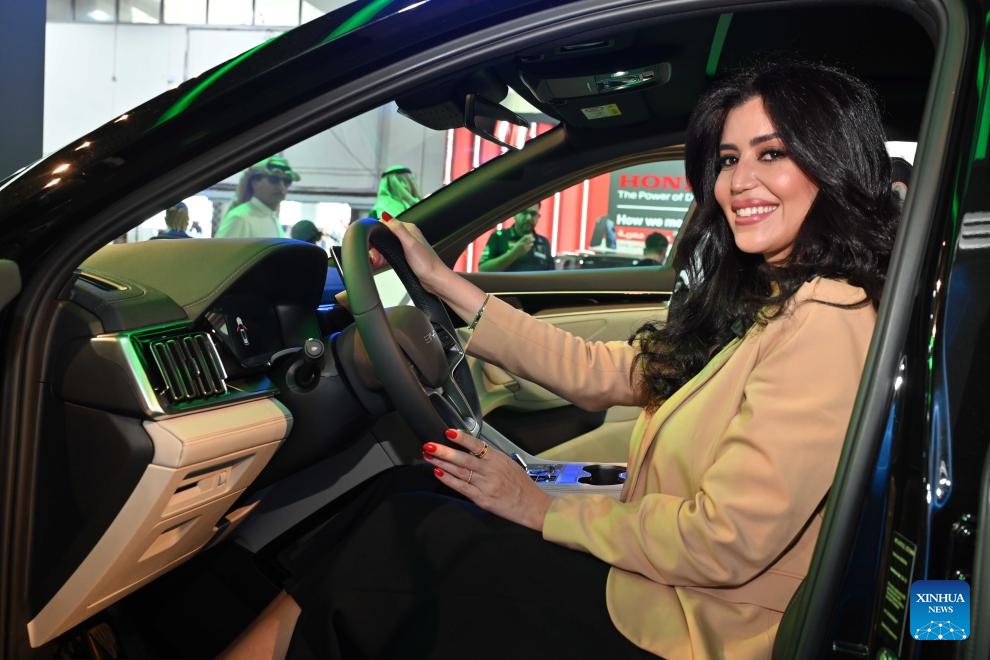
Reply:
x=722, y=506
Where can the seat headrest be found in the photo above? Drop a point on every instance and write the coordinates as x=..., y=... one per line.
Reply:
x=900, y=179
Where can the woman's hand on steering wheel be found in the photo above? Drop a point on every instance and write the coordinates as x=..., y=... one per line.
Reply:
x=423, y=261
x=488, y=478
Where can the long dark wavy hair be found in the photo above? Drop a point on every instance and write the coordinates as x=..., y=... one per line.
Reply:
x=830, y=125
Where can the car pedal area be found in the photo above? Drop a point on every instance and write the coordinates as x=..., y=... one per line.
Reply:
x=95, y=642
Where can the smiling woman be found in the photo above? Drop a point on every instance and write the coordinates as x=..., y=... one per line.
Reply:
x=185, y=426
x=787, y=190
x=763, y=193
x=721, y=508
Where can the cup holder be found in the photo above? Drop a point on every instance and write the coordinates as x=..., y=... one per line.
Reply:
x=603, y=475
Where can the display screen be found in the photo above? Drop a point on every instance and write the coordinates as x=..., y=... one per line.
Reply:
x=248, y=327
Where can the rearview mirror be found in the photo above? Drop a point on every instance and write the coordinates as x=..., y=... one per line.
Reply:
x=480, y=116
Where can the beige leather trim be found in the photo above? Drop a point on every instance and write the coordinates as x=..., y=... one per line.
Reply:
x=204, y=461
x=497, y=387
x=608, y=443
x=621, y=320
x=213, y=433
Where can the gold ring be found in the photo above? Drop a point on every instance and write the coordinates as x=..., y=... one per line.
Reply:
x=484, y=450
x=470, y=476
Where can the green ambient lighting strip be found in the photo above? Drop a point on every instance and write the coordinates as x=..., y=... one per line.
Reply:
x=721, y=31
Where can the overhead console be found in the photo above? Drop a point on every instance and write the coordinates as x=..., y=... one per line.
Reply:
x=616, y=77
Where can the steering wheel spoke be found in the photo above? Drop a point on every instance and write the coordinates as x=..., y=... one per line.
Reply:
x=438, y=392
x=450, y=405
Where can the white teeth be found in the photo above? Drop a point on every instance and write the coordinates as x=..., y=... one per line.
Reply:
x=754, y=210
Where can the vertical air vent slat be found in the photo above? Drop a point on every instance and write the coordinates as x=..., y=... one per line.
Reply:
x=178, y=390
x=975, y=231
x=205, y=377
x=195, y=373
x=189, y=366
x=215, y=366
x=165, y=366
x=185, y=379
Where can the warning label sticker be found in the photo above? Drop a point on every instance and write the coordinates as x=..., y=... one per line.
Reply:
x=601, y=111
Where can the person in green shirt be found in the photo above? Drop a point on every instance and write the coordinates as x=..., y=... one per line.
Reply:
x=518, y=248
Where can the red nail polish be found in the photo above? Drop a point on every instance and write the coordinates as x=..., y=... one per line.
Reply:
x=451, y=434
x=386, y=216
x=430, y=448
x=438, y=472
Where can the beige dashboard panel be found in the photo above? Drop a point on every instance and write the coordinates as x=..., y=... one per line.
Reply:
x=202, y=462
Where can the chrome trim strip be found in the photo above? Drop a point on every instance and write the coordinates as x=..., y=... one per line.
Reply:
x=214, y=356
x=117, y=286
x=121, y=349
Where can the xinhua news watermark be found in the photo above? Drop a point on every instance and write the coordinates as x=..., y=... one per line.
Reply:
x=939, y=610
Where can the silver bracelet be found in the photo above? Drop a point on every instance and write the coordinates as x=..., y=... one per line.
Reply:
x=481, y=310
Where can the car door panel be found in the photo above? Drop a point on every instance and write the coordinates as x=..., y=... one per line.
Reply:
x=542, y=422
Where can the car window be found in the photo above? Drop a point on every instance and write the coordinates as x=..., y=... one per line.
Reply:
x=330, y=179
x=626, y=217
x=379, y=161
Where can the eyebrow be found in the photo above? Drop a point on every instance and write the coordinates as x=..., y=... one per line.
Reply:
x=755, y=141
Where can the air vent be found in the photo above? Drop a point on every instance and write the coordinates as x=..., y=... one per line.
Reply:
x=975, y=233
x=190, y=367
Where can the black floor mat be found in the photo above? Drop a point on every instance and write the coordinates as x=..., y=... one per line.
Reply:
x=194, y=611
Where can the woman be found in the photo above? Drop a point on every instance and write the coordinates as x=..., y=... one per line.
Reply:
x=396, y=192
x=747, y=391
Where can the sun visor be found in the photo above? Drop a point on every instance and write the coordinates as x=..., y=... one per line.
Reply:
x=613, y=97
x=549, y=90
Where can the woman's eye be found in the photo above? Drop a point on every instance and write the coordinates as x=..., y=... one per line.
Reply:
x=727, y=161
x=773, y=154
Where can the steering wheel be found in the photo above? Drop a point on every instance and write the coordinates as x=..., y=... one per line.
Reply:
x=414, y=351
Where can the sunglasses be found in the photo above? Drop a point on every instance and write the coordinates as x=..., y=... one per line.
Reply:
x=276, y=179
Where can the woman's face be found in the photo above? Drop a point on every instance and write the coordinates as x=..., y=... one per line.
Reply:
x=764, y=194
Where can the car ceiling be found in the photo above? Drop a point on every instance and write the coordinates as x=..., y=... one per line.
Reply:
x=887, y=48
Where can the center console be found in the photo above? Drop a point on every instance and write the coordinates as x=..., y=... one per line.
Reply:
x=558, y=478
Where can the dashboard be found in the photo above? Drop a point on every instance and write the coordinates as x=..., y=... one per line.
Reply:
x=174, y=404
x=247, y=327
x=196, y=322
